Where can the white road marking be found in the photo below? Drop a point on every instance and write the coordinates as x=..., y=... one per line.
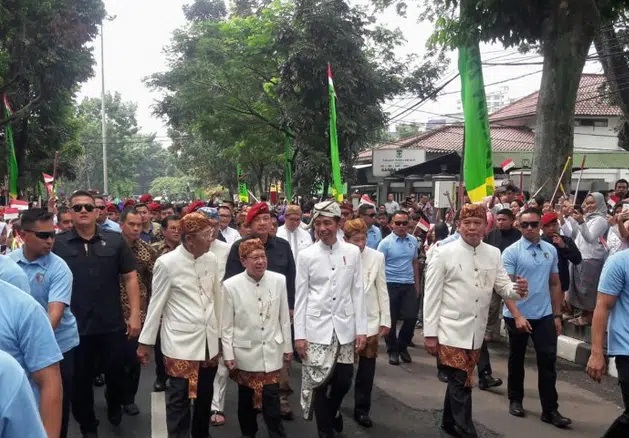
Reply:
x=158, y=415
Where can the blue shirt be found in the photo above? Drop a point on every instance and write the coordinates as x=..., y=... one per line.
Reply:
x=615, y=281
x=13, y=274
x=451, y=238
x=111, y=226
x=399, y=254
x=374, y=236
x=535, y=262
x=51, y=282
x=25, y=331
x=19, y=415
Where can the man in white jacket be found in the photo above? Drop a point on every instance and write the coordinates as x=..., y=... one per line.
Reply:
x=256, y=338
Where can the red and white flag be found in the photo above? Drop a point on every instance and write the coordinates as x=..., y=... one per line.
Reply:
x=507, y=165
x=613, y=200
x=365, y=199
x=19, y=205
x=423, y=225
x=11, y=213
x=49, y=183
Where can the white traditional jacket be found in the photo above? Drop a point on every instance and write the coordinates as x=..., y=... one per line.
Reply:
x=221, y=250
x=459, y=284
x=329, y=294
x=186, y=297
x=256, y=322
x=298, y=239
x=376, y=294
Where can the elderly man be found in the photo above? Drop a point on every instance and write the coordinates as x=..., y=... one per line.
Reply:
x=297, y=237
x=256, y=338
x=330, y=319
x=460, y=281
x=225, y=218
x=186, y=297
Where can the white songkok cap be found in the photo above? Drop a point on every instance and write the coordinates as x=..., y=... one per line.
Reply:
x=326, y=208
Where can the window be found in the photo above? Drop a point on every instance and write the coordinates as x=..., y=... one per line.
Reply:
x=594, y=123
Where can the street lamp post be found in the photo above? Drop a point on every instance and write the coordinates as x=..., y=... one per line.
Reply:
x=103, y=115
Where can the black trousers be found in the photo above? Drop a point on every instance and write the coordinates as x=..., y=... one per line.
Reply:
x=620, y=426
x=403, y=304
x=484, y=364
x=132, y=369
x=328, y=398
x=66, y=367
x=247, y=414
x=179, y=420
x=108, y=349
x=160, y=369
x=457, y=404
x=363, y=385
x=545, y=342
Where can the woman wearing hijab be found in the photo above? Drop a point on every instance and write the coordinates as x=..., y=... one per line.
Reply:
x=588, y=233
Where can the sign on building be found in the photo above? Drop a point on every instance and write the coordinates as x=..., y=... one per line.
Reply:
x=388, y=161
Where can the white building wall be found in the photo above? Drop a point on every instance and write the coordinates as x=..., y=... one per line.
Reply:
x=598, y=138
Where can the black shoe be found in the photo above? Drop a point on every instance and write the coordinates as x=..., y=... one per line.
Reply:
x=442, y=376
x=488, y=381
x=412, y=344
x=363, y=420
x=337, y=423
x=99, y=381
x=90, y=435
x=114, y=414
x=159, y=385
x=556, y=419
x=405, y=356
x=450, y=431
x=516, y=409
x=131, y=409
x=394, y=359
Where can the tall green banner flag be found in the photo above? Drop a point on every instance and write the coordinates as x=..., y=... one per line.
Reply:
x=478, y=164
x=337, y=185
x=288, y=171
x=243, y=193
x=8, y=137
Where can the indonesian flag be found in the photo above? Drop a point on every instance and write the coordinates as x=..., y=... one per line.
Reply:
x=19, y=205
x=507, y=165
x=613, y=200
x=49, y=182
x=11, y=213
x=423, y=225
x=365, y=199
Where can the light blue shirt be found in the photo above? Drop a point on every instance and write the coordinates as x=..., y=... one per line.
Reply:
x=25, y=331
x=399, y=254
x=111, y=226
x=535, y=262
x=51, y=281
x=615, y=281
x=451, y=238
x=13, y=274
x=19, y=415
x=374, y=236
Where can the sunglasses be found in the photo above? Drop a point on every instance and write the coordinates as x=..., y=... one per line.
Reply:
x=78, y=207
x=101, y=207
x=370, y=215
x=529, y=224
x=43, y=235
x=400, y=223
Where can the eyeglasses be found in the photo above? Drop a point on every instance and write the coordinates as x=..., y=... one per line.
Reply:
x=78, y=207
x=256, y=258
x=370, y=214
x=400, y=223
x=101, y=207
x=529, y=224
x=43, y=235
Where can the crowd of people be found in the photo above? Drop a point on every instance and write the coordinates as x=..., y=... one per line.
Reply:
x=216, y=291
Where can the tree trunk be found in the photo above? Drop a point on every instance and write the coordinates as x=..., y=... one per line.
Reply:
x=567, y=35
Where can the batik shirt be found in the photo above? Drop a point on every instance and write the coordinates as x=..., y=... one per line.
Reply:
x=145, y=257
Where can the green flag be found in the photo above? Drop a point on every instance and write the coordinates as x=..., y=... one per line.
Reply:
x=334, y=143
x=478, y=165
x=288, y=171
x=8, y=137
x=243, y=193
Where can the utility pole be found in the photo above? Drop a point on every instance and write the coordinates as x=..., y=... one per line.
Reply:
x=103, y=115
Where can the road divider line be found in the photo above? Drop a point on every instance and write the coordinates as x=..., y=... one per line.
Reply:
x=158, y=415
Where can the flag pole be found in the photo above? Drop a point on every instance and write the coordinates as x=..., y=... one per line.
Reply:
x=563, y=172
x=54, y=174
x=576, y=192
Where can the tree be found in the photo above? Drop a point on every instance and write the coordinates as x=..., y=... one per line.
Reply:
x=407, y=130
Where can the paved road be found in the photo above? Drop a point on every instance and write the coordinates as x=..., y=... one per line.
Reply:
x=407, y=403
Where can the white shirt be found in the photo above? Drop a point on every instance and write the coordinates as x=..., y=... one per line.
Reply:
x=186, y=297
x=298, y=239
x=459, y=284
x=256, y=322
x=221, y=250
x=329, y=294
x=230, y=235
x=391, y=207
x=376, y=293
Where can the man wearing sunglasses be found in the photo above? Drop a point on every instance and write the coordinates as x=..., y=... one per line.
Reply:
x=367, y=213
x=97, y=259
x=102, y=219
x=50, y=282
x=537, y=317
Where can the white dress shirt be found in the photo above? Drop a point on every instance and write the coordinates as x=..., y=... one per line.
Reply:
x=230, y=235
x=221, y=250
x=459, y=284
x=256, y=322
x=298, y=239
x=376, y=293
x=329, y=294
x=186, y=298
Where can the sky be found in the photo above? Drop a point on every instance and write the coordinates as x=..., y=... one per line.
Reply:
x=134, y=49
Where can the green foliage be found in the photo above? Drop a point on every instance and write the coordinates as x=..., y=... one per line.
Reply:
x=173, y=187
x=407, y=130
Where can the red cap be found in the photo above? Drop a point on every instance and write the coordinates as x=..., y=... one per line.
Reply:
x=155, y=206
x=195, y=206
x=129, y=203
x=256, y=209
x=346, y=205
x=549, y=218
x=146, y=198
x=111, y=208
